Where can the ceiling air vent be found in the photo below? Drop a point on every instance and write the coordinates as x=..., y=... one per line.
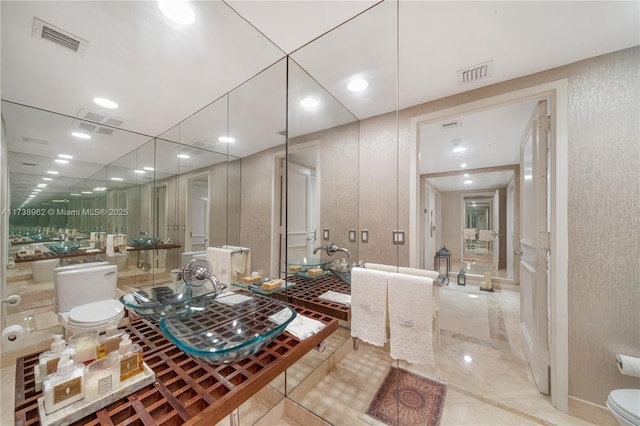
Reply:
x=451, y=124
x=34, y=140
x=101, y=124
x=59, y=36
x=475, y=73
x=28, y=164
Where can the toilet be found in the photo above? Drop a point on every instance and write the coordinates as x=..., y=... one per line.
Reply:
x=43, y=269
x=624, y=404
x=85, y=297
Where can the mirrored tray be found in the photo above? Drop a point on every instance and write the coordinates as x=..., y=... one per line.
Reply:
x=157, y=302
x=228, y=328
x=305, y=263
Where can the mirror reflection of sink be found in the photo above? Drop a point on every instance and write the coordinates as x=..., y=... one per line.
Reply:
x=342, y=270
x=39, y=237
x=143, y=242
x=64, y=247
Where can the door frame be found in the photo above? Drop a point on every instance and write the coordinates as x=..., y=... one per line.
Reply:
x=557, y=92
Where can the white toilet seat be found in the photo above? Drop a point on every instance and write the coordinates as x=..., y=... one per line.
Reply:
x=95, y=315
x=625, y=403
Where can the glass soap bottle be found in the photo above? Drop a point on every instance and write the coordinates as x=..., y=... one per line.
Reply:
x=48, y=360
x=86, y=346
x=101, y=378
x=130, y=358
x=65, y=386
x=110, y=340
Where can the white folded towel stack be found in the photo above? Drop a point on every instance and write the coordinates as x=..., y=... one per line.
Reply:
x=381, y=267
x=334, y=296
x=220, y=260
x=410, y=318
x=301, y=327
x=369, y=305
x=232, y=299
x=418, y=272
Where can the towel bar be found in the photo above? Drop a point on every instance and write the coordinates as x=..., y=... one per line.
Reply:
x=234, y=251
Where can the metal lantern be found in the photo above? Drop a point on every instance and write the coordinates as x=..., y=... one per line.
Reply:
x=462, y=278
x=442, y=255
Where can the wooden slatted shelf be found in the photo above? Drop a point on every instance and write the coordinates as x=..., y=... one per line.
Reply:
x=306, y=292
x=186, y=391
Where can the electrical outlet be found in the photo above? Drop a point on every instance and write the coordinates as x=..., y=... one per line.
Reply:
x=352, y=235
x=364, y=235
x=325, y=234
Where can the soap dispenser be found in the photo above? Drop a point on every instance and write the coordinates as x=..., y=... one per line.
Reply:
x=130, y=358
x=102, y=377
x=65, y=386
x=48, y=360
x=110, y=340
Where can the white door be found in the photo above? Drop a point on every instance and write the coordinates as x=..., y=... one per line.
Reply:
x=534, y=244
x=496, y=230
x=300, y=211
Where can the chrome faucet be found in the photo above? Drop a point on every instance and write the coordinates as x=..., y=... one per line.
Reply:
x=331, y=249
x=144, y=232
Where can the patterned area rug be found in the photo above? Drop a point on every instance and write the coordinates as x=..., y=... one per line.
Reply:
x=407, y=399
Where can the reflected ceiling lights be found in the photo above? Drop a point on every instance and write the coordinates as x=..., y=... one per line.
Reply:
x=69, y=157
x=81, y=135
x=468, y=181
x=37, y=190
x=309, y=103
x=182, y=156
x=117, y=179
x=226, y=139
x=46, y=178
x=456, y=146
x=42, y=185
x=463, y=165
x=357, y=85
x=100, y=188
x=104, y=102
x=86, y=192
x=139, y=172
x=178, y=11
x=61, y=161
x=149, y=168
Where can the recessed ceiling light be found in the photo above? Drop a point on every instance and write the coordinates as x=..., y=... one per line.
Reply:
x=99, y=188
x=32, y=196
x=52, y=172
x=74, y=194
x=309, y=103
x=104, y=102
x=61, y=161
x=183, y=156
x=458, y=148
x=37, y=190
x=42, y=185
x=46, y=178
x=466, y=175
x=468, y=181
x=467, y=358
x=116, y=178
x=178, y=11
x=463, y=165
x=226, y=139
x=81, y=135
x=86, y=192
x=68, y=157
x=357, y=85
x=149, y=168
x=139, y=172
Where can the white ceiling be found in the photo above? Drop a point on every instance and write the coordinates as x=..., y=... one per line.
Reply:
x=161, y=73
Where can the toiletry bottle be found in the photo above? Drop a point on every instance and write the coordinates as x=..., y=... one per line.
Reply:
x=65, y=386
x=130, y=358
x=110, y=341
x=49, y=360
x=86, y=345
x=102, y=377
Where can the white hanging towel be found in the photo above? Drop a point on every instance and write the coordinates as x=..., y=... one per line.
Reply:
x=110, y=250
x=369, y=305
x=410, y=318
x=220, y=260
x=240, y=262
x=486, y=235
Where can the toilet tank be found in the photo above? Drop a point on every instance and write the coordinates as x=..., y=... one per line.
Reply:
x=77, y=286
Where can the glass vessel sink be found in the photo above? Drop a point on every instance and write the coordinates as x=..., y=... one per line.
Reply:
x=228, y=328
x=342, y=270
x=166, y=299
x=143, y=242
x=64, y=247
x=39, y=237
x=305, y=263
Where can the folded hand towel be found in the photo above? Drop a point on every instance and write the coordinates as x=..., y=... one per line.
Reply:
x=418, y=272
x=369, y=305
x=410, y=318
x=381, y=267
x=232, y=299
x=334, y=296
x=220, y=260
x=301, y=327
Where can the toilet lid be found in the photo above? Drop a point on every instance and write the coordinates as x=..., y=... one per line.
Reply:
x=628, y=401
x=96, y=312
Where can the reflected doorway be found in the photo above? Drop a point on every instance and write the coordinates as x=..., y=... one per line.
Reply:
x=197, y=238
x=480, y=247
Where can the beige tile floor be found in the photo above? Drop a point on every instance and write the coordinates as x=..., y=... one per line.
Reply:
x=480, y=359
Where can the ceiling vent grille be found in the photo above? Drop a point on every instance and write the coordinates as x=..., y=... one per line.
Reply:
x=44, y=30
x=475, y=73
x=451, y=124
x=101, y=124
x=34, y=140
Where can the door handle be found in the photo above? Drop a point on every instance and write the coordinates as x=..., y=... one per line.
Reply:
x=518, y=252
